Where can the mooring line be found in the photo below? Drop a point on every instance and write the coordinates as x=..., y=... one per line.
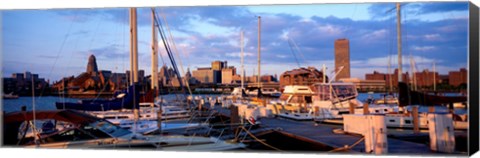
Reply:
x=261, y=141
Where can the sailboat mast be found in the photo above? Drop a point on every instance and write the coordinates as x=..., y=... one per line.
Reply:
x=389, y=73
x=133, y=47
x=434, y=78
x=241, y=58
x=154, y=54
x=324, y=73
x=414, y=71
x=134, y=61
x=399, y=43
x=259, y=32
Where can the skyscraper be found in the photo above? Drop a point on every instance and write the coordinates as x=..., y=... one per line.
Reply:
x=342, y=58
x=92, y=64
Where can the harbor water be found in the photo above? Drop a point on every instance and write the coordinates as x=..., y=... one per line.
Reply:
x=48, y=102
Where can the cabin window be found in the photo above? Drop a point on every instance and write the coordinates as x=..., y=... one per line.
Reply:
x=323, y=92
x=109, y=117
x=391, y=120
x=376, y=111
x=68, y=135
x=308, y=99
x=122, y=117
x=408, y=122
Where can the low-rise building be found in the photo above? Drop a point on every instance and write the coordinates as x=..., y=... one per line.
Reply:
x=301, y=76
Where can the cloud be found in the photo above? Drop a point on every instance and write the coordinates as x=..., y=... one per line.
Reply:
x=383, y=61
x=432, y=37
x=108, y=52
x=423, y=48
x=388, y=10
x=436, y=7
x=375, y=35
x=238, y=54
x=370, y=40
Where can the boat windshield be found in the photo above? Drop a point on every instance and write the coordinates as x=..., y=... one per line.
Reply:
x=328, y=92
x=110, y=129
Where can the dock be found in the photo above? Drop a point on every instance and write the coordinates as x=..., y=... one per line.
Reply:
x=323, y=134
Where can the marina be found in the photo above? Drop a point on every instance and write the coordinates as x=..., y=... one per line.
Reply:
x=276, y=102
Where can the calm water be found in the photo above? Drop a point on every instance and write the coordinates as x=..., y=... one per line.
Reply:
x=48, y=102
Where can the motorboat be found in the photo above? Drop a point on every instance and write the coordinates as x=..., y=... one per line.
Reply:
x=321, y=101
x=256, y=92
x=126, y=99
x=75, y=129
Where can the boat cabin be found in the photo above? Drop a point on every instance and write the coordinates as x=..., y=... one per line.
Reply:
x=334, y=91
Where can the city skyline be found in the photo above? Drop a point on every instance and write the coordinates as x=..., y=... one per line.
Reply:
x=56, y=43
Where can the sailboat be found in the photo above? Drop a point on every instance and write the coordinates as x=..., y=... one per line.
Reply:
x=388, y=98
x=407, y=97
x=74, y=129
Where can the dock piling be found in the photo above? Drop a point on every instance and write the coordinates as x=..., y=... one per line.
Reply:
x=416, y=122
x=441, y=132
x=365, y=109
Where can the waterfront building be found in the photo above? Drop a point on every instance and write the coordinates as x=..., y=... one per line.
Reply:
x=219, y=65
x=342, y=58
x=206, y=75
x=92, y=64
x=21, y=84
x=386, y=77
x=456, y=78
x=228, y=75
x=426, y=78
x=301, y=76
x=268, y=78
x=94, y=80
x=221, y=73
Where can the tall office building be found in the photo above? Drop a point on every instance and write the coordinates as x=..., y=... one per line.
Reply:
x=342, y=58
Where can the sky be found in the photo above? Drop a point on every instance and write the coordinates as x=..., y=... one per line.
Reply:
x=56, y=43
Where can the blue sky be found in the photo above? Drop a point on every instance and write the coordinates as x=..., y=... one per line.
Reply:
x=56, y=43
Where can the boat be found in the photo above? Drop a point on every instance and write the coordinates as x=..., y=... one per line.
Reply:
x=405, y=121
x=408, y=98
x=126, y=99
x=10, y=96
x=387, y=99
x=75, y=129
x=321, y=101
x=256, y=92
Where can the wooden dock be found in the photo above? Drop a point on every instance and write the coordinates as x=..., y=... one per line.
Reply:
x=323, y=134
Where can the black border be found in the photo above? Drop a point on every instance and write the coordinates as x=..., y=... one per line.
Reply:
x=473, y=79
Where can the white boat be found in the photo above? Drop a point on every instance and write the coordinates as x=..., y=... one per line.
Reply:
x=79, y=130
x=405, y=121
x=253, y=92
x=321, y=101
x=387, y=99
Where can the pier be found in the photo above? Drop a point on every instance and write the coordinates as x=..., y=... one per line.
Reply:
x=322, y=134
